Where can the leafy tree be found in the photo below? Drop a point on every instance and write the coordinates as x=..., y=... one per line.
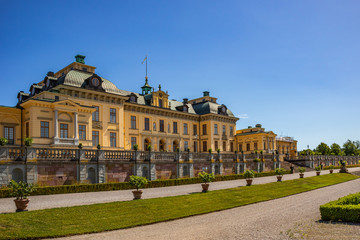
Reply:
x=306, y=152
x=335, y=149
x=323, y=149
x=350, y=148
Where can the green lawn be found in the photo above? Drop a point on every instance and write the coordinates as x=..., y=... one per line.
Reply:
x=110, y=216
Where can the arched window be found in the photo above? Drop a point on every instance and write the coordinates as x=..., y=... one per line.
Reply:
x=185, y=171
x=91, y=175
x=217, y=170
x=145, y=172
x=17, y=175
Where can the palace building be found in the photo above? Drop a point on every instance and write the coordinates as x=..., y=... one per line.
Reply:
x=75, y=105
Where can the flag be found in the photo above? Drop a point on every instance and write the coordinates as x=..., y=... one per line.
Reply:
x=144, y=60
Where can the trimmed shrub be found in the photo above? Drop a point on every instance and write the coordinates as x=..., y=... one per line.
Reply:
x=338, y=167
x=47, y=190
x=346, y=209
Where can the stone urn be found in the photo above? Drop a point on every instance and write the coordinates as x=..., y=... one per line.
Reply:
x=279, y=178
x=205, y=187
x=249, y=181
x=301, y=175
x=21, y=204
x=318, y=173
x=137, y=194
x=331, y=170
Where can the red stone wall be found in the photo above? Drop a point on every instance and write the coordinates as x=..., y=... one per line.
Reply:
x=198, y=168
x=228, y=168
x=119, y=172
x=166, y=170
x=56, y=174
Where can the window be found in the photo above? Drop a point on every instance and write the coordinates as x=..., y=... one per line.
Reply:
x=231, y=146
x=175, y=127
x=112, y=139
x=224, y=146
x=255, y=146
x=195, y=129
x=161, y=126
x=64, y=128
x=44, y=129
x=185, y=128
x=216, y=145
x=248, y=147
x=133, y=142
x=195, y=146
x=160, y=103
x=27, y=130
x=224, y=130
x=240, y=147
x=215, y=129
x=204, y=129
x=186, y=145
x=133, y=122
x=147, y=124
x=112, y=115
x=95, y=138
x=205, y=146
x=231, y=131
x=9, y=135
x=95, y=115
x=264, y=145
x=82, y=132
x=154, y=126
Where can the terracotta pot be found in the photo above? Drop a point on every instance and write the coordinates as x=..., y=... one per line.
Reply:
x=301, y=175
x=249, y=181
x=205, y=187
x=137, y=194
x=331, y=170
x=317, y=173
x=279, y=178
x=21, y=204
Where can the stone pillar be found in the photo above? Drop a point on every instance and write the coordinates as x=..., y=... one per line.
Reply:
x=180, y=171
x=4, y=174
x=76, y=130
x=31, y=173
x=191, y=169
x=152, y=171
x=101, y=173
x=221, y=167
x=56, y=127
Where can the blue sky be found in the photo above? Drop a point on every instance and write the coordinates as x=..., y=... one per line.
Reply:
x=292, y=66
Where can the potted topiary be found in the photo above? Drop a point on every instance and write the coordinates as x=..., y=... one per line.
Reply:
x=135, y=147
x=218, y=150
x=249, y=176
x=3, y=141
x=148, y=148
x=206, y=178
x=138, y=182
x=28, y=142
x=318, y=170
x=279, y=172
x=80, y=146
x=331, y=168
x=21, y=191
x=98, y=147
x=301, y=171
x=210, y=150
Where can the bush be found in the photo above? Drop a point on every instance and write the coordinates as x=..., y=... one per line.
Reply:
x=318, y=168
x=338, y=167
x=301, y=169
x=280, y=171
x=346, y=209
x=138, y=182
x=331, y=167
x=257, y=160
x=249, y=174
x=20, y=190
x=28, y=142
x=3, y=141
x=48, y=190
x=206, y=177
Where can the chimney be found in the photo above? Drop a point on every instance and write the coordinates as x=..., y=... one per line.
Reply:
x=185, y=101
x=50, y=74
x=206, y=93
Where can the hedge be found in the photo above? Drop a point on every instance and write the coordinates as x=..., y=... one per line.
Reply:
x=346, y=209
x=338, y=167
x=77, y=188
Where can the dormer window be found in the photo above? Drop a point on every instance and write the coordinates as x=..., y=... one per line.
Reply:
x=84, y=69
x=160, y=103
x=185, y=108
x=132, y=99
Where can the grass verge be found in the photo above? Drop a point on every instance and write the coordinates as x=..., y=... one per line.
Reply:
x=110, y=216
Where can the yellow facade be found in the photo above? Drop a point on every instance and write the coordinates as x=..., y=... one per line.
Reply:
x=287, y=146
x=75, y=105
x=255, y=139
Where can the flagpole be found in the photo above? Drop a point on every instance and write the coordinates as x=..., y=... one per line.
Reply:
x=146, y=66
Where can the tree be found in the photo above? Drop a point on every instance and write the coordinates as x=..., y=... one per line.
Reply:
x=350, y=148
x=335, y=149
x=323, y=149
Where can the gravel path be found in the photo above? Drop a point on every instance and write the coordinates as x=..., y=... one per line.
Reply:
x=76, y=199
x=275, y=219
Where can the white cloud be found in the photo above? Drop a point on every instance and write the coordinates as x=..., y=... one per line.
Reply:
x=244, y=115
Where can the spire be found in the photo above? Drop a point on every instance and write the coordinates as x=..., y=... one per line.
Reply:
x=146, y=88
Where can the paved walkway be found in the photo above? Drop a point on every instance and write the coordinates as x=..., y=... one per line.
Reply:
x=274, y=219
x=76, y=199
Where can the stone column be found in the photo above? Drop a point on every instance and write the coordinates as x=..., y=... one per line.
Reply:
x=76, y=131
x=56, y=127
